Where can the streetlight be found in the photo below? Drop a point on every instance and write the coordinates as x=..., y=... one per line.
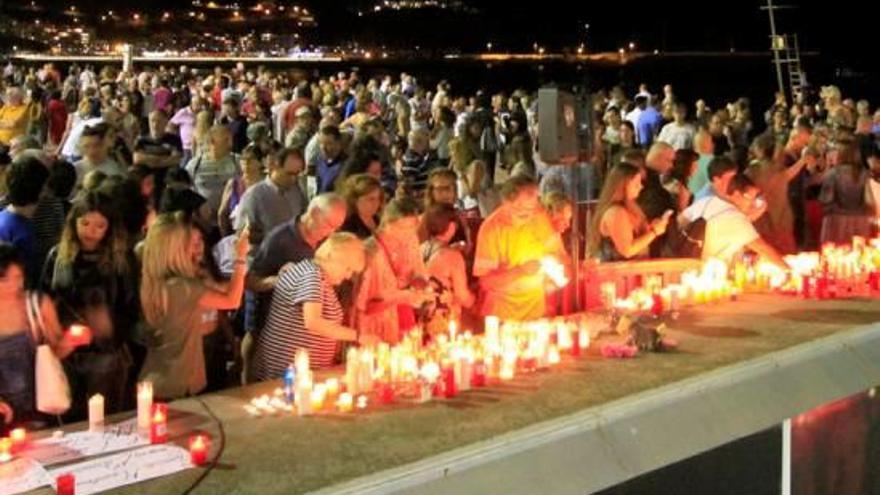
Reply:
x=489, y=46
x=632, y=45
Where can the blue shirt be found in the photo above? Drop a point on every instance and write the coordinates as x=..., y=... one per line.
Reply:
x=349, y=107
x=649, y=125
x=18, y=231
x=327, y=171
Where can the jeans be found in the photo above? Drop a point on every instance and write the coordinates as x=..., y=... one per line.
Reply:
x=17, y=366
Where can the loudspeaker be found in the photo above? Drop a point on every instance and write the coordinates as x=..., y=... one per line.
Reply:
x=557, y=125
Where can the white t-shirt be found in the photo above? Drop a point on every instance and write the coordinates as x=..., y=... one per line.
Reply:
x=678, y=136
x=728, y=230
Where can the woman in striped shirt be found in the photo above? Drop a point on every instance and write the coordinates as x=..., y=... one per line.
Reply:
x=305, y=312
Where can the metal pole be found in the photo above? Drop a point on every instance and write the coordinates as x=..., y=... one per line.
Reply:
x=777, y=62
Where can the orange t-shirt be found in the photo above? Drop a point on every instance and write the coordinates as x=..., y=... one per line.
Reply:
x=15, y=120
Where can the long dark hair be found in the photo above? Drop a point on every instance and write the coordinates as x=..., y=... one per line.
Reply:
x=613, y=194
x=113, y=248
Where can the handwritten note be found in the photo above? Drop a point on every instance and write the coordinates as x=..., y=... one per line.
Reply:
x=107, y=473
x=82, y=444
x=22, y=475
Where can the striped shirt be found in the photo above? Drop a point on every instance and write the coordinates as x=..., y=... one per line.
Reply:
x=285, y=330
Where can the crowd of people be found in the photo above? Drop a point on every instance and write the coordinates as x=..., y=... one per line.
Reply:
x=204, y=225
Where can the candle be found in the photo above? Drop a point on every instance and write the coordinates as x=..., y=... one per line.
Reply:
x=492, y=325
x=583, y=338
x=159, y=424
x=447, y=378
x=352, y=374
x=479, y=374
x=65, y=484
x=198, y=450
x=365, y=369
x=5, y=449
x=386, y=393
x=563, y=336
x=304, y=397
x=553, y=355
x=656, y=306
x=18, y=437
x=609, y=294
x=96, y=412
x=144, y=404
x=332, y=387
x=317, y=397
x=345, y=402
x=453, y=329
x=508, y=365
x=362, y=402
x=79, y=335
x=301, y=361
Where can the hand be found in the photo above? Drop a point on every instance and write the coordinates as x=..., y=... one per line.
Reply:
x=242, y=243
x=415, y=298
x=7, y=412
x=658, y=225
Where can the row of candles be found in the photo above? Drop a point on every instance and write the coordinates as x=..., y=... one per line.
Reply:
x=836, y=270
x=449, y=364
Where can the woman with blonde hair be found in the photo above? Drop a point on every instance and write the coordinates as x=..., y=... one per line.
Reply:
x=306, y=312
x=620, y=230
x=175, y=294
x=202, y=132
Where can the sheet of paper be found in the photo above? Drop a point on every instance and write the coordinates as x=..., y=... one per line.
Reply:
x=81, y=444
x=22, y=475
x=127, y=468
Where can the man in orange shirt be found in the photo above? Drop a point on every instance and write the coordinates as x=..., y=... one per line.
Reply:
x=14, y=116
x=510, y=245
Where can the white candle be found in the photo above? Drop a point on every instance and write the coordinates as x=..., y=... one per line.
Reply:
x=144, y=404
x=352, y=374
x=96, y=412
x=304, y=396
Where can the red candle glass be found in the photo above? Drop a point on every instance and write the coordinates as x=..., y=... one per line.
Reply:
x=478, y=379
x=198, y=449
x=447, y=375
x=386, y=393
x=656, y=306
x=79, y=335
x=65, y=484
x=19, y=439
x=159, y=424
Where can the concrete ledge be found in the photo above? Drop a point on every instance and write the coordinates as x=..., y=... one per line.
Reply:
x=603, y=446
